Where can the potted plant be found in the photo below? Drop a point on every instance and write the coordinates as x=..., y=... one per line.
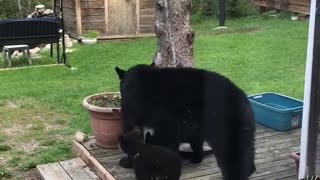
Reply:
x=104, y=114
x=90, y=37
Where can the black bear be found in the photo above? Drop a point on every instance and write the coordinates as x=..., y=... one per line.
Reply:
x=191, y=105
x=150, y=161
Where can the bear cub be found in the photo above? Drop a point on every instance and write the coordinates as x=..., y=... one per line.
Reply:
x=150, y=162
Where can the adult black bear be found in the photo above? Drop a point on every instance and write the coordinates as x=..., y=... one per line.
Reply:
x=150, y=161
x=193, y=105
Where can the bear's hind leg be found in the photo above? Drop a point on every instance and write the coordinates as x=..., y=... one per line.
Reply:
x=197, y=148
x=233, y=159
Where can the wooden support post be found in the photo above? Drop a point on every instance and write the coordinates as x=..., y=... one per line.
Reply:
x=138, y=16
x=106, y=15
x=78, y=17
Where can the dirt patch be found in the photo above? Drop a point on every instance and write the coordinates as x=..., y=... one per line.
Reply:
x=32, y=174
x=11, y=104
x=28, y=147
x=25, y=125
x=13, y=131
x=2, y=160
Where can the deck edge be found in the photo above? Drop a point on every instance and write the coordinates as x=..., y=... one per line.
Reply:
x=80, y=151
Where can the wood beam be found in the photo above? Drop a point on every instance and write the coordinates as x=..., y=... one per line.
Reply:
x=78, y=17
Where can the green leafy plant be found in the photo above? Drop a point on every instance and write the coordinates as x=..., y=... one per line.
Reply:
x=234, y=8
x=91, y=34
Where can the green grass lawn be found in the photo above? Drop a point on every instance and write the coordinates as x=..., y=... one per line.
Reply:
x=40, y=108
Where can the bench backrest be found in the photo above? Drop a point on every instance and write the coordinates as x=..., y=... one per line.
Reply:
x=29, y=31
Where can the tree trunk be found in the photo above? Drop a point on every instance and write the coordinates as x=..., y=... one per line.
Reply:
x=175, y=36
x=20, y=8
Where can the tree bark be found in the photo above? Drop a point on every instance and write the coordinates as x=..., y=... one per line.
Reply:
x=175, y=36
x=20, y=8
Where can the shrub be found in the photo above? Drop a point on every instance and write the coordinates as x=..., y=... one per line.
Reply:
x=234, y=8
x=10, y=8
x=91, y=34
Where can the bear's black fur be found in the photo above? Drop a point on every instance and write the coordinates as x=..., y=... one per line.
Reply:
x=150, y=162
x=191, y=105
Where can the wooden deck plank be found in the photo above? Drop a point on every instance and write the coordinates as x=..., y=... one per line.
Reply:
x=103, y=153
x=292, y=177
x=80, y=151
x=53, y=171
x=287, y=174
x=75, y=168
x=272, y=158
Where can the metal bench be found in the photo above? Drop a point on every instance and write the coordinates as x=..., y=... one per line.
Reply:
x=9, y=49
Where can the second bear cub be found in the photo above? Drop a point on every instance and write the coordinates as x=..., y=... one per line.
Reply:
x=150, y=162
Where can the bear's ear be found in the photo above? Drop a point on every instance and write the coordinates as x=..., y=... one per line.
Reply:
x=120, y=72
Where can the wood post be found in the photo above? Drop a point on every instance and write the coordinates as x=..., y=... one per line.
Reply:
x=138, y=16
x=106, y=15
x=78, y=17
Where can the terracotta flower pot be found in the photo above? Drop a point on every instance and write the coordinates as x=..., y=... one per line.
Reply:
x=105, y=122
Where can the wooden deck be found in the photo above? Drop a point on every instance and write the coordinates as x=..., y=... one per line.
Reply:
x=75, y=169
x=272, y=159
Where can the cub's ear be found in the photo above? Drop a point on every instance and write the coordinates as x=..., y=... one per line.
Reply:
x=120, y=72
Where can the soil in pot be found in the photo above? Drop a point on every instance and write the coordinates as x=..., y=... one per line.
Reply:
x=105, y=100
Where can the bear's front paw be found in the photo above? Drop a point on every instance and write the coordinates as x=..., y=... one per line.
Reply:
x=126, y=162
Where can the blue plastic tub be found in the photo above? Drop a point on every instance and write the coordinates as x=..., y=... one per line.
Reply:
x=277, y=111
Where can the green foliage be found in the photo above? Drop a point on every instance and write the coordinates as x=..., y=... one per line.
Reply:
x=274, y=14
x=4, y=173
x=10, y=8
x=234, y=8
x=91, y=34
x=3, y=138
x=198, y=18
x=15, y=161
x=4, y=147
